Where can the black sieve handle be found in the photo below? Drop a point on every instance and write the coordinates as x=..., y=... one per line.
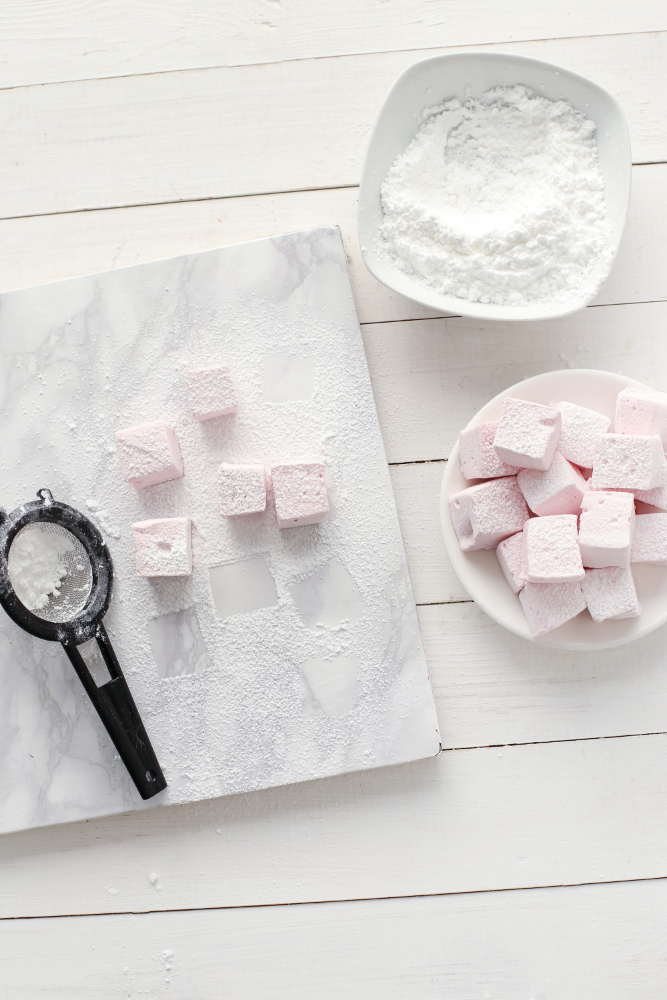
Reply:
x=115, y=706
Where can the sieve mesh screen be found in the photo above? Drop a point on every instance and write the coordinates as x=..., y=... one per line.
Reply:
x=50, y=571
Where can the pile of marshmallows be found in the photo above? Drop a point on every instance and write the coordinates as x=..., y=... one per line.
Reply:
x=577, y=552
x=150, y=454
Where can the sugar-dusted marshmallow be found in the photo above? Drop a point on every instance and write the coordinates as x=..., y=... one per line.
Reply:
x=628, y=462
x=149, y=454
x=478, y=458
x=211, y=392
x=483, y=515
x=548, y=605
x=550, y=550
x=241, y=489
x=606, y=528
x=610, y=593
x=527, y=434
x=300, y=493
x=510, y=557
x=641, y=411
x=657, y=497
x=649, y=544
x=579, y=433
x=163, y=547
x=559, y=490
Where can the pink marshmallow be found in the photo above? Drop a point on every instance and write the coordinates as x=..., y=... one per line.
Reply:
x=657, y=497
x=649, y=544
x=628, y=462
x=510, y=557
x=549, y=605
x=641, y=411
x=478, y=459
x=527, y=434
x=606, y=528
x=241, y=489
x=559, y=490
x=163, y=547
x=550, y=550
x=211, y=392
x=485, y=514
x=610, y=593
x=579, y=433
x=300, y=493
x=149, y=454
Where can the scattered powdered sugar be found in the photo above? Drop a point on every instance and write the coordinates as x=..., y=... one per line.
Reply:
x=498, y=200
x=264, y=705
x=36, y=566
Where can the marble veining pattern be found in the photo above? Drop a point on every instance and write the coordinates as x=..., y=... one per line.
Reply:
x=287, y=655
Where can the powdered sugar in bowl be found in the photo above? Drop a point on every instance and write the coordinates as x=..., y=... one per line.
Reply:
x=448, y=237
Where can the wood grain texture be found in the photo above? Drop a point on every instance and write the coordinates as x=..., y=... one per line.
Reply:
x=465, y=821
x=53, y=42
x=601, y=942
x=493, y=688
x=431, y=376
x=48, y=248
x=255, y=129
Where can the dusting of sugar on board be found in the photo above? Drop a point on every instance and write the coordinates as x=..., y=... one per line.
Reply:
x=301, y=687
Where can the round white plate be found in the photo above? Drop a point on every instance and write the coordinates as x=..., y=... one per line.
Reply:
x=480, y=573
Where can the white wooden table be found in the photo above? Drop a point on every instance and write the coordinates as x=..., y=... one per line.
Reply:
x=529, y=860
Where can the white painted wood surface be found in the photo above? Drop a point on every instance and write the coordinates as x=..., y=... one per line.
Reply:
x=115, y=117
x=256, y=129
x=53, y=42
x=541, y=814
x=603, y=942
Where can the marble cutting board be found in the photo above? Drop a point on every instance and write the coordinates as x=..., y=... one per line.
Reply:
x=288, y=655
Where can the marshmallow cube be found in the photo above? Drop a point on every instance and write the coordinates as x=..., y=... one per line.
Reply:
x=649, y=544
x=149, y=454
x=579, y=433
x=510, y=557
x=551, y=551
x=548, y=605
x=477, y=456
x=559, y=490
x=657, y=497
x=163, y=547
x=628, y=462
x=300, y=493
x=211, y=392
x=606, y=529
x=641, y=411
x=241, y=489
x=485, y=514
x=527, y=434
x=610, y=593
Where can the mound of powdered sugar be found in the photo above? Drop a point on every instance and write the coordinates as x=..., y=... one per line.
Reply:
x=498, y=200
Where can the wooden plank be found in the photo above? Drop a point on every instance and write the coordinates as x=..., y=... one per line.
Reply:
x=79, y=40
x=430, y=376
x=224, y=132
x=47, y=248
x=537, y=942
x=417, y=493
x=493, y=688
x=467, y=820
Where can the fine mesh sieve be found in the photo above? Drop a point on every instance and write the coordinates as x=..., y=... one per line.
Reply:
x=64, y=568
x=56, y=579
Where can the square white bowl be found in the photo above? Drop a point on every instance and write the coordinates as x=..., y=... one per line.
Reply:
x=467, y=74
